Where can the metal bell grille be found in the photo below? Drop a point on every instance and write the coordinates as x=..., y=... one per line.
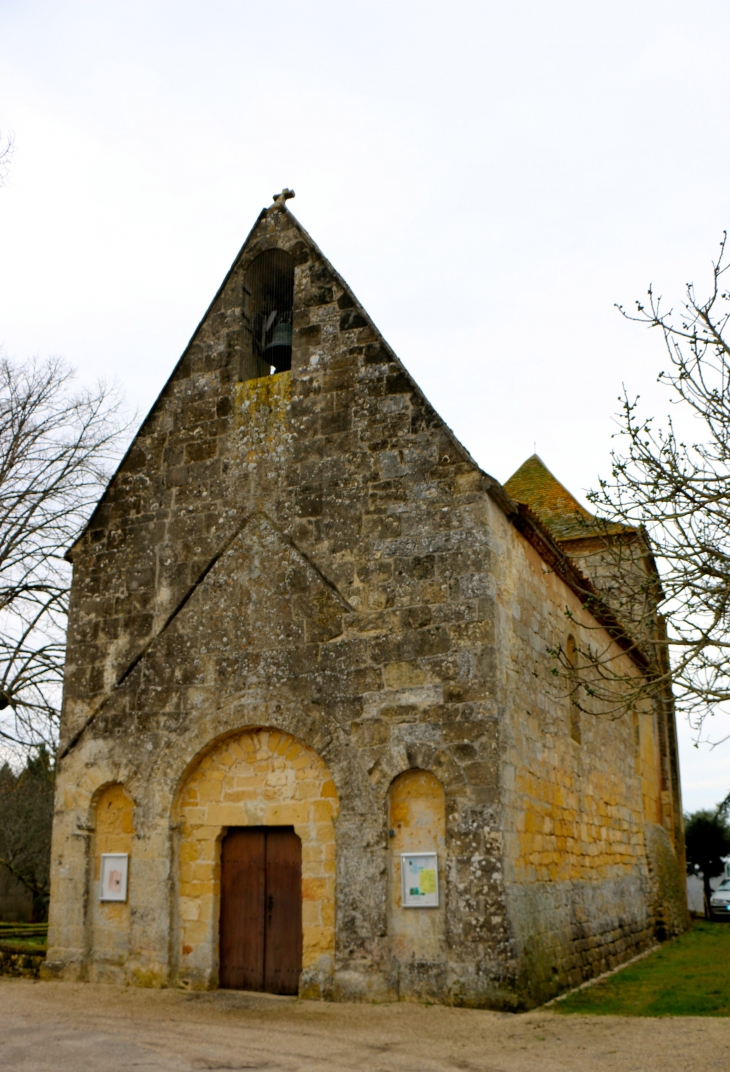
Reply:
x=270, y=280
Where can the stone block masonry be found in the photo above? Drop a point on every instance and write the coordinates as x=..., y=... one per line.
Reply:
x=19, y=962
x=297, y=589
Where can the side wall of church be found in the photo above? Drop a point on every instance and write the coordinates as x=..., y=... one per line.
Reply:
x=603, y=566
x=582, y=797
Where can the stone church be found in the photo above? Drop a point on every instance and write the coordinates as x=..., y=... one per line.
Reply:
x=311, y=742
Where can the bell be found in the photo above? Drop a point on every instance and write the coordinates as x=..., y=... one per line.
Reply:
x=278, y=351
x=281, y=335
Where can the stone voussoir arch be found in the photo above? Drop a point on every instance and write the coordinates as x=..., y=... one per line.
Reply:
x=256, y=776
x=315, y=729
x=425, y=757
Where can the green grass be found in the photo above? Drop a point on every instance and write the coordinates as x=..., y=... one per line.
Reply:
x=23, y=937
x=687, y=977
x=32, y=947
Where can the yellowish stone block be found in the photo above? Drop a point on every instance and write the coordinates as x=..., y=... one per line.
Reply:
x=226, y=815
x=286, y=814
x=311, y=914
x=313, y=889
x=308, y=790
x=315, y=942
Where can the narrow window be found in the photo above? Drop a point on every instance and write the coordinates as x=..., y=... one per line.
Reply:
x=637, y=741
x=270, y=288
x=575, y=729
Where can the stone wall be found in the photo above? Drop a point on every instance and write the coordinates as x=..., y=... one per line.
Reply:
x=17, y=960
x=578, y=864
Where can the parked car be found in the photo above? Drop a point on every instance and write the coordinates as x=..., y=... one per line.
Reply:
x=720, y=900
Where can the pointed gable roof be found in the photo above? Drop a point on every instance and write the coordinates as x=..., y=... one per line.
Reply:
x=559, y=510
x=348, y=302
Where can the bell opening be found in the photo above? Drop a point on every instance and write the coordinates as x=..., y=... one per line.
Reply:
x=270, y=281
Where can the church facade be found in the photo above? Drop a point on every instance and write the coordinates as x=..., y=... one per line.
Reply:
x=311, y=742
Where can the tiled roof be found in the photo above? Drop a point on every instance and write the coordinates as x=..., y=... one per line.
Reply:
x=559, y=511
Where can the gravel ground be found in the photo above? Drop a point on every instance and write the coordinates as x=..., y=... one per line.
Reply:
x=73, y=1027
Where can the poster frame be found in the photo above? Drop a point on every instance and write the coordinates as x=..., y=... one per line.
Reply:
x=408, y=900
x=109, y=861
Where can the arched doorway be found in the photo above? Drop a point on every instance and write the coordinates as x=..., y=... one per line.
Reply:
x=256, y=864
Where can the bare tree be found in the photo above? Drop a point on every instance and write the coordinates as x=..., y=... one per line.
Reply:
x=56, y=448
x=667, y=502
x=7, y=146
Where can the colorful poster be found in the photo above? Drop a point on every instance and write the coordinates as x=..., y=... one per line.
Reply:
x=419, y=872
x=428, y=880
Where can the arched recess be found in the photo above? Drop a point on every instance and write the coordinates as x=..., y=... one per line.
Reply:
x=258, y=777
x=113, y=811
x=268, y=313
x=417, y=823
x=571, y=654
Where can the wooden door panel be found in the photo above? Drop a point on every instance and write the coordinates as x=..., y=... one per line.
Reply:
x=261, y=910
x=283, y=941
x=243, y=891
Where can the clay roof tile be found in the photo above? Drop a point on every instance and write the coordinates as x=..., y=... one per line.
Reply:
x=559, y=510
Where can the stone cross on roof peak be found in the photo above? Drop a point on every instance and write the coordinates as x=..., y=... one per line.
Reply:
x=281, y=199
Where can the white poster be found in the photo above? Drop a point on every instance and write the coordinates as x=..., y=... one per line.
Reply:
x=114, y=871
x=420, y=875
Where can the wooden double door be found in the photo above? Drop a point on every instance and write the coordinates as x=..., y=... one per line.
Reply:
x=261, y=909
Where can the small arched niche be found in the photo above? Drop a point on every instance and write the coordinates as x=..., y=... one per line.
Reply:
x=113, y=833
x=269, y=292
x=417, y=823
x=571, y=654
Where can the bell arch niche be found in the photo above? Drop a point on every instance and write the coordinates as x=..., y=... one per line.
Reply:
x=113, y=833
x=417, y=823
x=259, y=780
x=268, y=308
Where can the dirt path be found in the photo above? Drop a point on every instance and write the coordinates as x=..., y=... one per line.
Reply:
x=69, y=1027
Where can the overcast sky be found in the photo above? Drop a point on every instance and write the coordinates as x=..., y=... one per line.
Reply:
x=489, y=177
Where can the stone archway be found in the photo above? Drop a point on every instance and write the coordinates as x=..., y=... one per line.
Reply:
x=262, y=778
